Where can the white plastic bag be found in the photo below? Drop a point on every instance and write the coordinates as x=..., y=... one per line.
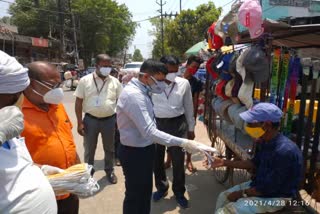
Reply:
x=76, y=179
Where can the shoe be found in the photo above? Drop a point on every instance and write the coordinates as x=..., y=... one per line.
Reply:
x=182, y=202
x=112, y=178
x=157, y=196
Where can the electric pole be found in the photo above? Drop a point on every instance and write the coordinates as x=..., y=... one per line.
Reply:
x=162, y=32
x=180, y=6
x=61, y=9
x=75, y=39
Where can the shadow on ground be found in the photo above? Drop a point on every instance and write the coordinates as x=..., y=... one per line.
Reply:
x=202, y=191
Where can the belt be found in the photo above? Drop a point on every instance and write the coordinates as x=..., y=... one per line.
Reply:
x=170, y=119
x=137, y=148
x=98, y=118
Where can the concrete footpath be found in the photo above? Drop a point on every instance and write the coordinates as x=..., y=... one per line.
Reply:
x=202, y=189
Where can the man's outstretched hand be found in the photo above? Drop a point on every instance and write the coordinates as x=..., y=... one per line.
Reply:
x=215, y=163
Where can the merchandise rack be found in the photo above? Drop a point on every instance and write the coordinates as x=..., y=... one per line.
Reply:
x=233, y=144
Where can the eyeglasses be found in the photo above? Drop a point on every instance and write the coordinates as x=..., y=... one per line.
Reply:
x=49, y=85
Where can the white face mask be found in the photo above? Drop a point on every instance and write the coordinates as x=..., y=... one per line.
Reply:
x=54, y=96
x=105, y=71
x=171, y=76
x=158, y=87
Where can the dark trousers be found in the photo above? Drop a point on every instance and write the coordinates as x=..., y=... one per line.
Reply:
x=93, y=127
x=69, y=205
x=137, y=164
x=116, y=141
x=177, y=127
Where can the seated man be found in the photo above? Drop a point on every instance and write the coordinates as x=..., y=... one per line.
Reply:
x=278, y=166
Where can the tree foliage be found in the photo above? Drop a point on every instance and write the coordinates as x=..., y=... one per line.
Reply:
x=137, y=56
x=188, y=28
x=103, y=26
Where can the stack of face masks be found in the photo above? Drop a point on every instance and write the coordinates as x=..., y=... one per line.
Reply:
x=76, y=179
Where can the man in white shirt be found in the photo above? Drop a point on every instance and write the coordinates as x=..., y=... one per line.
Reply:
x=23, y=187
x=173, y=110
x=97, y=96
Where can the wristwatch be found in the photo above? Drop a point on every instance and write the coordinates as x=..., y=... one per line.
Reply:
x=244, y=194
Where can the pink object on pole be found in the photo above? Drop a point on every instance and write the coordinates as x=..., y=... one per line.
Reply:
x=250, y=16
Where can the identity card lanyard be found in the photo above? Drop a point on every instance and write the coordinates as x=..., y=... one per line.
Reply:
x=167, y=95
x=98, y=101
x=99, y=91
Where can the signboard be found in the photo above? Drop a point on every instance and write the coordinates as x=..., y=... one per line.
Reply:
x=39, y=42
x=292, y=3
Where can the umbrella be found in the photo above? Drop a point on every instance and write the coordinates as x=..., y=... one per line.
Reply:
x=194, y=50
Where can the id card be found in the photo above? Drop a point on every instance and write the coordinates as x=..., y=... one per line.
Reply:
x=97, y=101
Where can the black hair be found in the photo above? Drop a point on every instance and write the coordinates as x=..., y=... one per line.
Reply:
x=102, y=57
x=194, y=58
x=153, y=67
x=170, y=59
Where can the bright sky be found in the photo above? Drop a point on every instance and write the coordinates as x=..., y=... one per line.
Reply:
x=144, y=9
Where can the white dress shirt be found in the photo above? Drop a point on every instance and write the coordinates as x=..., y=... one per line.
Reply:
x=175, y=101
x=136, y=121
x=99, y=96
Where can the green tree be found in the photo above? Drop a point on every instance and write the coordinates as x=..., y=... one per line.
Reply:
x=188, y=28
x=5, y=19
x=137, y=56
x=103, y=26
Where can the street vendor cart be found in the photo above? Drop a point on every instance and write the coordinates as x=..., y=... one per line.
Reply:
x=293, y=53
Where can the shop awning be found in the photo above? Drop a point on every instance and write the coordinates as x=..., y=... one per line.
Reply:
x=298, y=36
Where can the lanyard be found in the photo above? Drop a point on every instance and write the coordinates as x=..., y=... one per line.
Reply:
x=99, y=91
x=172, y=87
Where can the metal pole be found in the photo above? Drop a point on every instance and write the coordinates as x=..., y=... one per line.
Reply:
x=75, y=39
x=161, y=19
x=180, y=6
x=162, y=33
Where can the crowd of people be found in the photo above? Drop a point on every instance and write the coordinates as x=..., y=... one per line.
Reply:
x=138, y=121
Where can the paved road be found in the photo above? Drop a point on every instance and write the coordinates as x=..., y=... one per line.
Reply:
x=202, y=189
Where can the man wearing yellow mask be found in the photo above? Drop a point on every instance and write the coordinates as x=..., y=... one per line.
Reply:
x=278, y=166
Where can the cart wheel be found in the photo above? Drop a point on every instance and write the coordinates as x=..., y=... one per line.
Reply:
x=238, y=176
x=222, y=173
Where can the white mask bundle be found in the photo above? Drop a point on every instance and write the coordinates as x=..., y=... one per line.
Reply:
x=76, y=179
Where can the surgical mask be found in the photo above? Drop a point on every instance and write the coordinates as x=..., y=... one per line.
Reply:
x=171, y=76
x=19, y=102
x=192, y=70
x=158, y=87
x=255, y=132
x=105, y=71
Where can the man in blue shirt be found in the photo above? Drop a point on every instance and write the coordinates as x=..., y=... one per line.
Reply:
x=138, y=132
x=278, y=166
